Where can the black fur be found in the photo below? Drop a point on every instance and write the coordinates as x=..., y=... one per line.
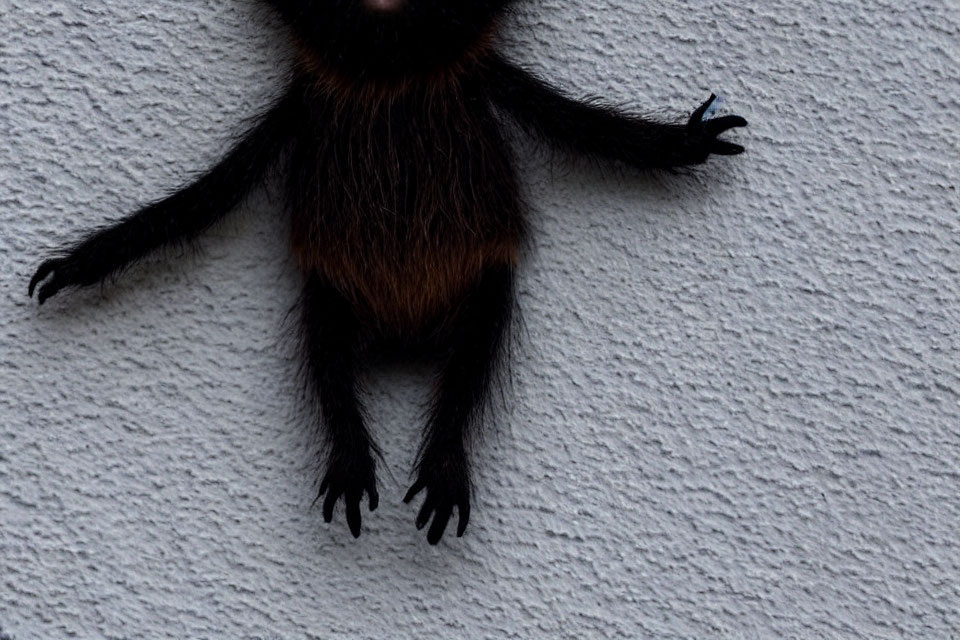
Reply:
x=407, y=219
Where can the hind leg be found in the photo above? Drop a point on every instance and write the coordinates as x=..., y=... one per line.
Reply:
x=331, y=341
x=470, y=367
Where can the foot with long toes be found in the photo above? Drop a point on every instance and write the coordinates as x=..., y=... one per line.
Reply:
x=447, y=486
x=349, y=477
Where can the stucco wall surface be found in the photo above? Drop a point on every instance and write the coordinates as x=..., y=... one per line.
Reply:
x=735, y=413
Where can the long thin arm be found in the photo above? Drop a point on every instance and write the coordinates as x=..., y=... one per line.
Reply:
x=176, y=218
x=599, y=129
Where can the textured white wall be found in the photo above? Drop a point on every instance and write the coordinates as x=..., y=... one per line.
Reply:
x=736, y=414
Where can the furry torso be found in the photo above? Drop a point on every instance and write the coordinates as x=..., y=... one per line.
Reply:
x=402, y=196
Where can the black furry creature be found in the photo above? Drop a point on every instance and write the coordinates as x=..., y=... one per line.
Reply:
x=406, y=214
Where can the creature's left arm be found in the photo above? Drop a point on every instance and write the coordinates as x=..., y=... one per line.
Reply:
x=179, y=217
x=601, y=130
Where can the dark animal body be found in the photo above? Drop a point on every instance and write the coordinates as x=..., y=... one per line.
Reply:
x=406, y=215
x=403, y=197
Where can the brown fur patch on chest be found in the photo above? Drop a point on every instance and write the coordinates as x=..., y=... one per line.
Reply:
x=403, y=197
x=400, y=292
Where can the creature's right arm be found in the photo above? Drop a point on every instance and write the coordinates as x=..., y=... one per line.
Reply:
x=598, y=129
x=178, y=217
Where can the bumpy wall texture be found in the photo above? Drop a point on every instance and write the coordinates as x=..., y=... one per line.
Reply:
x=735, y=414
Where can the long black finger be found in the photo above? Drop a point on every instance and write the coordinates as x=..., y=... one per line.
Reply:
x=328, y=505
x=701, y=110
x=48, y=290
x=464, y=518
x=716, y=126
x=724, y=148
x=414, y=490
x=353, y=514
x=424, y=516
x=440, y=519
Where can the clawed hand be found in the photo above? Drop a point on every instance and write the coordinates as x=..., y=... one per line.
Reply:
x=705, y=132
x=446, y=488
x=350, y=479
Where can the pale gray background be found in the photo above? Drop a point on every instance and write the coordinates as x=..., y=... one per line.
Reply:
x=736, y=413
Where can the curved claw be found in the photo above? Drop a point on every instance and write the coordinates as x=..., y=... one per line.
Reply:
x=414, y=490
x=716, y=126
x=48, y=290
x=43, y=271
x=439, y=503
x=340, y=482
x=352, y=503
x=440, y=520
x=463, y=517
x=425, y=510
x=328, y=505
x=724, y=148
x=697, y=116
